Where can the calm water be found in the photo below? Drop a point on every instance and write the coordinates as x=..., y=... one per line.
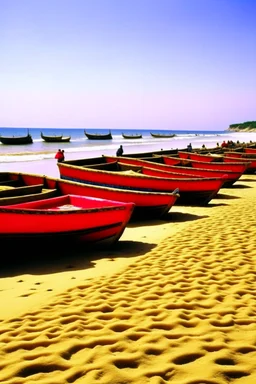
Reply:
x=81, y=147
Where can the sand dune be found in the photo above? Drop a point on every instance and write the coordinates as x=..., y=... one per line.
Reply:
x=174, y=302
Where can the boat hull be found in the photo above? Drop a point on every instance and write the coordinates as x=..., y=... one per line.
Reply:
x=198, y=191
x=66, y=218
x=138, y=136
x=162, y=135
x=161, y=163
x=16, y=140
x=91, y=136
x=251, y=162
x=55, y=139
x=148, y=205
x=200, y=157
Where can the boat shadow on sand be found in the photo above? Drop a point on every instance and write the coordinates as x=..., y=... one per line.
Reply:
x=58, y=259
x=54, y=258
x=171, y=217
x=242, y=186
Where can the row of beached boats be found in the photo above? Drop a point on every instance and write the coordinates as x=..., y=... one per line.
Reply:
x=27, y=139
x=95, y=198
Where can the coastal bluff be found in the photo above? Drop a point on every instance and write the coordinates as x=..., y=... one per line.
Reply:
x=247, y=126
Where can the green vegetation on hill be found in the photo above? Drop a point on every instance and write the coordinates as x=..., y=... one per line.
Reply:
x=245, y=125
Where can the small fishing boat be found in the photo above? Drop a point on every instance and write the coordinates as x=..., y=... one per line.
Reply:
x=228, y=156
x=115, y=174
x=233, y=166
x=55, y=138
x=242, y=157
x=162, y=135
x=250, y=150
x=12, y=191
x=132, y=136
x=16, y=140
x=148, y=205
x=161, y=163
x=98, y=136
x=200, y=156
x=67, y=219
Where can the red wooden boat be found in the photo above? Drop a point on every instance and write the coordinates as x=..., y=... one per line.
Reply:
x=241, y=155
x=250, y=150
x=199, y=156
x=148, y=205
x=161, y=163
x=66, y=219
x=251, y=161
x=237, y=156
x=192, y=191
x=225, y=165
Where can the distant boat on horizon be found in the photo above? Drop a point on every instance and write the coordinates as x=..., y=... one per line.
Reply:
x=16, y=140
x=162, y=135
x=98, y=136
x=132, y=136
x=55, y=138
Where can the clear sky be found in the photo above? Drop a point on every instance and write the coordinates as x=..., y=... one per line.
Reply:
x=153, y=64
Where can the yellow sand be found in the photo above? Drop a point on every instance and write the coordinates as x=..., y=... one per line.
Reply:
x=174, y=302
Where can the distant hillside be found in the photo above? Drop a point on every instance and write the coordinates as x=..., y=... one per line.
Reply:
x=247, y=126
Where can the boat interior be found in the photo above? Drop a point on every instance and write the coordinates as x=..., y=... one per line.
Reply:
x=15, y=191
x=115, y=166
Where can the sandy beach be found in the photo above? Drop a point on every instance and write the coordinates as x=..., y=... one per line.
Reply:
x=173, y=302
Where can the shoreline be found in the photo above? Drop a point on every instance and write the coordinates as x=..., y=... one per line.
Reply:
x=175, y=300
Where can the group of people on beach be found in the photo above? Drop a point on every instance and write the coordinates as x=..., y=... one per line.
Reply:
x=224, y=144
x=60, y=156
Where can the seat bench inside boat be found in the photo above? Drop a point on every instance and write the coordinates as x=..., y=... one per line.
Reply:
x=115, y=166
x=13, y=191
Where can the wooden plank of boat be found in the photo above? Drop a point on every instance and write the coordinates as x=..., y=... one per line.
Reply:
x=161, y=163
x=132, y=136
x=66, y=219
x=55, y=138
x=16, y=140
x=148, y=205
x=19, y=191
x=98, y=136
x=45, y=194
x=196, y=191
x=162, y=135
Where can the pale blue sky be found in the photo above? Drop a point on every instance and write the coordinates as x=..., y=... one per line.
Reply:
x=153, y=64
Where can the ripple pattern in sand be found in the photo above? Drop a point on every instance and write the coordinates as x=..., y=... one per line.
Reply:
x=185, y=313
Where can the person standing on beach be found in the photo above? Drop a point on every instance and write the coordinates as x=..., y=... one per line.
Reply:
x=189, y=147
x=224, y=144
x=60, y=156
x=120, y=151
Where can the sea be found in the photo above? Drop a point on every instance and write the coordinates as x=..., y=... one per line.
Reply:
x=80, y=147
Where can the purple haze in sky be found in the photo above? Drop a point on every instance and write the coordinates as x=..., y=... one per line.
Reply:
x=153, y=64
